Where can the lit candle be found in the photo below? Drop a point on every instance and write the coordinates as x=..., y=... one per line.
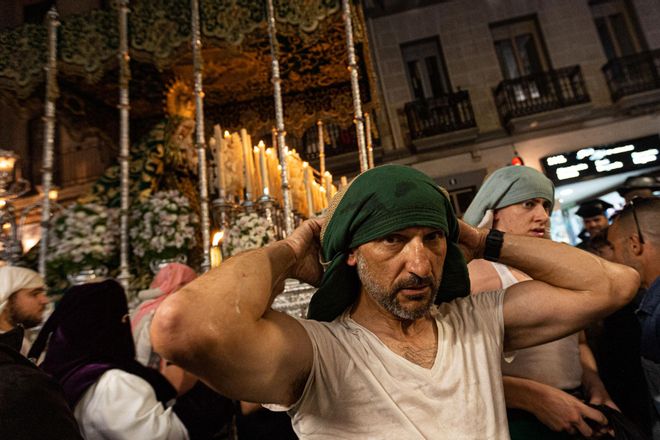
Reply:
x=319, y=124
x=264, y=168
x=370, y=150
x=343, y=182
x=327, y=185
x=324, y=199
x=258, y=182
x=247, y=169
x=7, y=161
x=308, y=189
x=219, y=144
x=216, y=253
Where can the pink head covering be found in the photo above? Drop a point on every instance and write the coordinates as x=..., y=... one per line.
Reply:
x=168, y=280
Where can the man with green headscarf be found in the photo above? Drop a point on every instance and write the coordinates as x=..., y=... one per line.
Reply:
x=394, y=348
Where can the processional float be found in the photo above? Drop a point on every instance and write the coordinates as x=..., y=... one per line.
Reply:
x=280, y=215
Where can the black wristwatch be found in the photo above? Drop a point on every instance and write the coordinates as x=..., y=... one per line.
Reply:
x=493, y=246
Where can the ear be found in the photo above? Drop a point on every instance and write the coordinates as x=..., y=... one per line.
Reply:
x=635, y=245
x=351, y=260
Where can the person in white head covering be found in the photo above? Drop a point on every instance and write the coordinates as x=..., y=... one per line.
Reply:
x=23, y=299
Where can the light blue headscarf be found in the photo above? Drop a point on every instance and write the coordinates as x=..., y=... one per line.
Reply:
x=508, y=186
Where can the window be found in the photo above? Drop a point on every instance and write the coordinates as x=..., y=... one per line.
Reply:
x=616, y=28
x=520, y=52
x=425, y=67
x=461, y=199
x=519, y=47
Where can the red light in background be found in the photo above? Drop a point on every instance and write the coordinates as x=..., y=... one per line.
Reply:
x=517, y=161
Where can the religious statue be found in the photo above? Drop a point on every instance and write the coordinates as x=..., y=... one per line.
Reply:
x=164, y=159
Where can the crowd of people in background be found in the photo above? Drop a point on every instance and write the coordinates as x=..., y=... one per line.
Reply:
x=94, y=372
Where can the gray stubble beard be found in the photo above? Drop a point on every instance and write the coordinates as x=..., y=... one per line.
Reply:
x=388, y=298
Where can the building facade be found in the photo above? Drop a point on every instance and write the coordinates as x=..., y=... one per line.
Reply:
x=468, y=85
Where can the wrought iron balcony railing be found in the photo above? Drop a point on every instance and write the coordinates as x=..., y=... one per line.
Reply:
x=540, y=92
x=633, y=74
x=440, y=115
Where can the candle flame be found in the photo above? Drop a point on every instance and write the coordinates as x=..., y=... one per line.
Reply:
x=261, y=144
x=255, y=149
x=227, y=134
x=217, y=237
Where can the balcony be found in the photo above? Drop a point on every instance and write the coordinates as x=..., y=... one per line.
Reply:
x=633, y=75
x=434, y=116
x=540, y=93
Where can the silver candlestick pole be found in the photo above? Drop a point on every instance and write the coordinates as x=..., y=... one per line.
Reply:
x=124, y=141
x=199, y=137
x=279, y=121
x=52, y=93
x=355, y=86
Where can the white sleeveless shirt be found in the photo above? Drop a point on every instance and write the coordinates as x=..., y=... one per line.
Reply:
x=556, y=363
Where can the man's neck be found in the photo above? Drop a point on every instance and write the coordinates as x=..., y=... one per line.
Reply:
x=650, y=267
x=414, y=340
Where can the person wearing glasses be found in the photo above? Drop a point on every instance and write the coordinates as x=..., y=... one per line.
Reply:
x=635, y=240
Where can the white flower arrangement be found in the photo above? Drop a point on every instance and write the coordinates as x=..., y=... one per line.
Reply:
x=163, y=226
x=84, y=236
x=249, y=231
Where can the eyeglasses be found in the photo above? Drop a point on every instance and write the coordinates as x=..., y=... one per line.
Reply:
x=634, y=213
x=631, y=206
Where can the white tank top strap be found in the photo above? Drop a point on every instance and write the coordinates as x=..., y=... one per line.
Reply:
x=506, y=277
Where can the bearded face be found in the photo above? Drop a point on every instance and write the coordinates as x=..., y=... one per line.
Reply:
x=388, y=296
x=26, y=307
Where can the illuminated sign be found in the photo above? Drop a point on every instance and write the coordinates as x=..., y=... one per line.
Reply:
x=592, y=162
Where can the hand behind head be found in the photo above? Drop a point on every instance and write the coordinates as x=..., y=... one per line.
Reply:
x=471, y=240
x=305, y=244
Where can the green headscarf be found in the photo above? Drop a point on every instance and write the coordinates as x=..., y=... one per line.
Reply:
x=508, y=186
x=379, y=202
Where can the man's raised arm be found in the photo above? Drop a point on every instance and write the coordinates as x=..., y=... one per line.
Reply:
x=570, y=287
x=221, y=328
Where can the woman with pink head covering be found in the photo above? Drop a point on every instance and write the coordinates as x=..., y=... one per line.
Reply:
x=168, y=280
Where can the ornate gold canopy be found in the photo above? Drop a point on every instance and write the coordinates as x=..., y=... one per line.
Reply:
x=238, y=91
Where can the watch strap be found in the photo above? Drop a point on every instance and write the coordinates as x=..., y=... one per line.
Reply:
x=493, y=246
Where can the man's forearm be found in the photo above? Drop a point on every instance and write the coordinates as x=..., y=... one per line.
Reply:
x=558, y=264
x=525, y=394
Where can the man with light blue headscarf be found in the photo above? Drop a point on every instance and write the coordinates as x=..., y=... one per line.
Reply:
x=538, y=381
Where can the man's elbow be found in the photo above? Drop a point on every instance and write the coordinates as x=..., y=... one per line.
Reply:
x=625, y=284
x=168, y=336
